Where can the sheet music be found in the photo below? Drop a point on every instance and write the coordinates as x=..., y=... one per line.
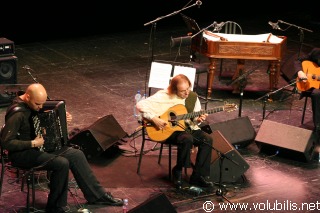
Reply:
x=160, y=75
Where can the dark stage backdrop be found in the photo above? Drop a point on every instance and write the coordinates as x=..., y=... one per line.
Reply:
x=38, y=20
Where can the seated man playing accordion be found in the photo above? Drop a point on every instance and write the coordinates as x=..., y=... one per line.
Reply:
x=20, y=138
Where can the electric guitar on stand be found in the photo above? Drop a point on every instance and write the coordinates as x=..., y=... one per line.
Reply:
x=312, y=71
x=175, y=117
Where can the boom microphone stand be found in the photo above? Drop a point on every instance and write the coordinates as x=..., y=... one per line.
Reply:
x=154, y=25
x=219, y=191
x=301, y=33
x=242, y=79
x=26, y=67
x=266, y=96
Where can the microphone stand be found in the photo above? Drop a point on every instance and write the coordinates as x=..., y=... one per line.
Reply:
x=34, y=79
x=206, y=99
x=242, y=79
x=301, y=33
x=266, y=97
x=219, y=191
x=222, y=156
x=153, y=30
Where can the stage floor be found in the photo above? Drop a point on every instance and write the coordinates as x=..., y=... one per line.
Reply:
x=100, y=75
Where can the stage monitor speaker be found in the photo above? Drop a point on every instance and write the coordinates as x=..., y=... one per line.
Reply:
x=98, y=137
x=8, y=70
x=156, y=204
x=286, y=141
x=239, y=131
x=230, y=163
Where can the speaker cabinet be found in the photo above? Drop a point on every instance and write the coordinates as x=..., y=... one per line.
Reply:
x=8, y=70
x=6, y=47
x=98, y=137
x=286, y=141
x=239, y=132
x=156, y=204
x=231, y=165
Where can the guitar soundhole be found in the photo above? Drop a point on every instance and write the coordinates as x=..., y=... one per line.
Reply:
x=173, y=118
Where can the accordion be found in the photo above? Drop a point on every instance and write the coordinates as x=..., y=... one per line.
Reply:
x=53, y=125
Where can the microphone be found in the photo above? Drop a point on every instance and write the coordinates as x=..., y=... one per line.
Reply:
x=26, y=67
x=274, y=25
x=214, y=24
x=218, y=27
x=198, y=2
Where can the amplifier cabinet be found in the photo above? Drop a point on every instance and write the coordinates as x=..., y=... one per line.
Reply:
x=6, y=47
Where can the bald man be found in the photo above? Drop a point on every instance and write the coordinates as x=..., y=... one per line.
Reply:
x=19, y=138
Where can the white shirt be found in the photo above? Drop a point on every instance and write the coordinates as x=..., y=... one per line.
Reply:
x=160, y=102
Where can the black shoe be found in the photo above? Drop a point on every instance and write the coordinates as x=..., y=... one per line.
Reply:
x=108, y=199
x=177, y=177
x=200, y=181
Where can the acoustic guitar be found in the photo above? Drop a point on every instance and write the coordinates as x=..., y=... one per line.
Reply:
x=176, y=116
x=312, y=71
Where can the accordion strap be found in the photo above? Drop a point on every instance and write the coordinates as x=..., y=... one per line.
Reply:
x=13, y=109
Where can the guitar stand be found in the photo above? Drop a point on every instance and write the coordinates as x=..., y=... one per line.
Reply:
x=266, y=97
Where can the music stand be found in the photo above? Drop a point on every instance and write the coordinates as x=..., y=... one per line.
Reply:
x=194, y=29
x=162, y=71
x=192, y=25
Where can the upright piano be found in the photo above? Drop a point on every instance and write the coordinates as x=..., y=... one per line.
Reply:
x=235, y=46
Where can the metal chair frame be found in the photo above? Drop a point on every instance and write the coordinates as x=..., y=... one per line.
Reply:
x=23, y=175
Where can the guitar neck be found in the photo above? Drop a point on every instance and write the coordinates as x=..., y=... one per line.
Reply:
x=196, y=114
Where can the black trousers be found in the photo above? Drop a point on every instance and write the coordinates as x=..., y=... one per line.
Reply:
x=184, y=141
x=59, y=163
x=315, y=99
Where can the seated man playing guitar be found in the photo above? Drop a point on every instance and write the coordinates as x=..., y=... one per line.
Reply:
x=309, y=80
x=188, y=133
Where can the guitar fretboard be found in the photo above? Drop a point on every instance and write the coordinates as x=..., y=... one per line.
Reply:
x=196, y=114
